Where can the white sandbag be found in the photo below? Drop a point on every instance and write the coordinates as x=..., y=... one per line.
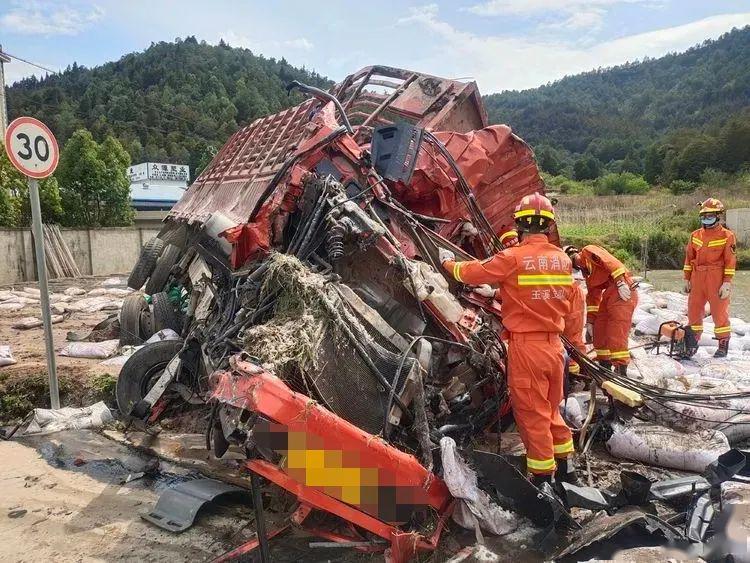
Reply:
x=96, y=350
x=571, y=412
x=11, y=306
x=473, y=504
x=739, y=326
x=640, y=315
x=734, y=492
x=75, y=291
x=732, y=370
x=644, y=287
x=59, y=298
x=111, y=282
x=164, y=334
x=656, y=445
x=32, y=322
x=58, y=308
x=6, y=356
x=124, y=356
x=671, y=301
x=97, y=291
x=654, y=366
x=646, y=302
x=650, y=326
x=736, y=428
x=34, y=292
x=118, y=292
x=46, y=421
x=4, y=295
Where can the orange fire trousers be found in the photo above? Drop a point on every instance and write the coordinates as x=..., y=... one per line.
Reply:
x=705, y=282
x=612, y=326
x=535, y=382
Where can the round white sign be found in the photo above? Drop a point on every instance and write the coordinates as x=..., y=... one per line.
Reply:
x=31, y=147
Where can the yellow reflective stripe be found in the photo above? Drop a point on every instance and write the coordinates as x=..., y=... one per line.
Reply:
x=602, y=353
x=564, y=448
x=710, y=210
x=687, y=268
x=697, y=241
x=527, y=212
x=457, y=271
x=540, y=464
x=722, y=329
x=618, y=272
x=718, y=242
x=509, y=234
x=620, y=354
x=545, y=279
x=729, y=271
x=696, y=327
x=573, y=367
x=592, y=308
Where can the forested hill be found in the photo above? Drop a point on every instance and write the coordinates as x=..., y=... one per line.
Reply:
x=174, y=102
x=615, y=113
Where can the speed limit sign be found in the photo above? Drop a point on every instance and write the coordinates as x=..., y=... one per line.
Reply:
x=31, y=147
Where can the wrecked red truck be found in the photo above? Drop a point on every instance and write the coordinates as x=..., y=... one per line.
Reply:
x=317, y=328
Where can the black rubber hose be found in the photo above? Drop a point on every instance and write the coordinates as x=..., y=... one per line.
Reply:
x=322, y=95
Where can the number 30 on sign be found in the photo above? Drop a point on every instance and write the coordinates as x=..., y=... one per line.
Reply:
x=31, y=147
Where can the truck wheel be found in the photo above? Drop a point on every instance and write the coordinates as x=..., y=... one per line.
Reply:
x=147, y=324
x=146, y=263
x=130, y=320
x=164, y=314
x=142, y=370
x=160, y=276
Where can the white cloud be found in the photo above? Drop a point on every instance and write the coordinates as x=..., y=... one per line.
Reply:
x=570, y=15
x=510, y=62
x=535, y=7
x=43, y=17
x=270, y=48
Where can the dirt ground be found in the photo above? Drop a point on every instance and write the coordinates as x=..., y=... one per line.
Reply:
x=28, y=348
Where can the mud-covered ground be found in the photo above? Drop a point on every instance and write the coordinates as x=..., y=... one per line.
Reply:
x=82, y=381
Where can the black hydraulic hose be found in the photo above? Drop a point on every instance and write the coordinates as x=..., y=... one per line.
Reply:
x=322, y=95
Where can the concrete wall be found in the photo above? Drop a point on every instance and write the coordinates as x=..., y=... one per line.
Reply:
x=739, y=221
x=96, y=251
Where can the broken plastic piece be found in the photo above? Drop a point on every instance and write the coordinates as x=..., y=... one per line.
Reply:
x=672, y=488
x=589, y=498
x=725, y=467
x=699, y=518
x=177, y=507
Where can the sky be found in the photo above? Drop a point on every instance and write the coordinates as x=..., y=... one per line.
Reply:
x=502, y=44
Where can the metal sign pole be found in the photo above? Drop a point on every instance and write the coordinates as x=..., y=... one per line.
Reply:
x=41, y=268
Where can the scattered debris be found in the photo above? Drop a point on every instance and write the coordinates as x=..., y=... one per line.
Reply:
x=47, y=421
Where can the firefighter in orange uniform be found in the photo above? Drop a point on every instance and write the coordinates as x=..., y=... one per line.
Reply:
x=575, y=321
x=610, y=303
x=710, y=261
x=535, y=280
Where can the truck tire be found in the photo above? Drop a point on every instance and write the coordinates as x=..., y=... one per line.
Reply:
x=160, y=276
x=142, y=370
x=146, y=263
x=147, y=324
x=130, y=320
x=164, y=314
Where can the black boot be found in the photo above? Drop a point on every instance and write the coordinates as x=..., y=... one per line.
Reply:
x=622, y=370
x=723, y=349
x=605, y=364
x=566, y=472
x=539, y=480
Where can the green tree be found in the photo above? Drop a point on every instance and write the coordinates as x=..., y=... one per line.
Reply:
x=698, y=155
x=116, y=209
x=92, y=180
x=587, y=167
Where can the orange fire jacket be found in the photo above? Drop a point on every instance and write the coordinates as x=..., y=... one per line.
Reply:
x=603, y=270
x=535, y=279
x=711, y=249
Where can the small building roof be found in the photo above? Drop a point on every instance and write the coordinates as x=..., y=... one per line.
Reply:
x=160, y=194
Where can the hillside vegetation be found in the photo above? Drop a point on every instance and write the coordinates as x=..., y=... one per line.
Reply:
x=174, y=102
x=666, y=119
